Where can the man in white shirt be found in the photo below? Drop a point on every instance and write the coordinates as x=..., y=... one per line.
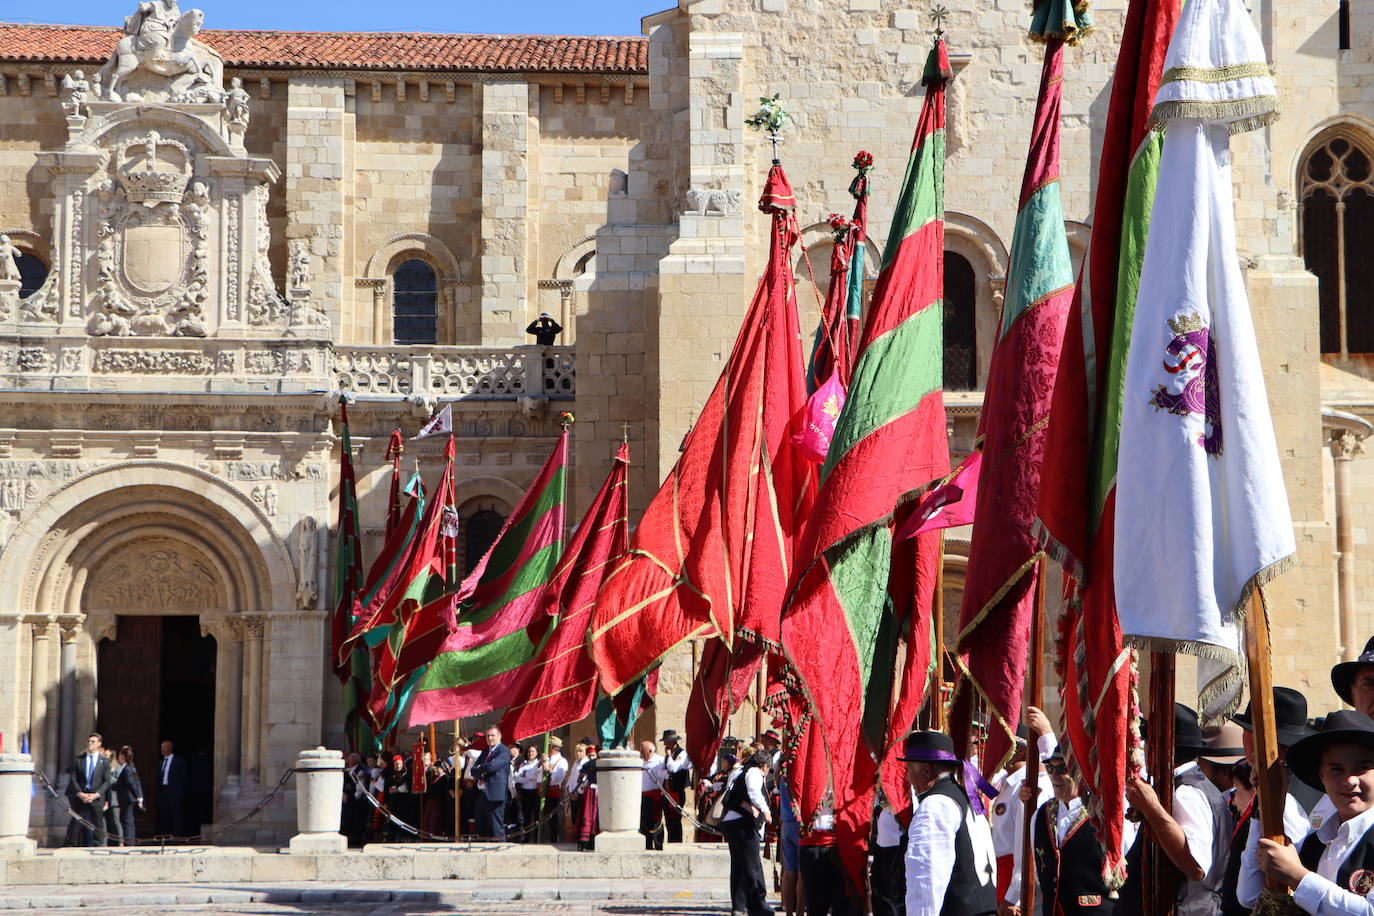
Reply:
x=949, y=854
x=1332, y=871
x=1008, y=814
x=651, y=796
x=677, y=769
x=746, y=814
x=555, y=774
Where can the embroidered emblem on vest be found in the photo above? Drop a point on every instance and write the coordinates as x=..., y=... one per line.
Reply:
x=1090, y=900
x=1000, y=809
x=1362, y=882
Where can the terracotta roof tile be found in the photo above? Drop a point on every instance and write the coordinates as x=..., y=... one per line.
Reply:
x=352, y=50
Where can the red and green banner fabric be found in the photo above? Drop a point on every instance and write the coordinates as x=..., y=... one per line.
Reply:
x=857, y=598
x=1076, y=509
x=348, y=559
x=559, y=685
x=993, y=640
x=502, y=617
x=713, y=553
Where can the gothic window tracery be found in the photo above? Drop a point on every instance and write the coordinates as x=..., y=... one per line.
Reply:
x=1336, y=189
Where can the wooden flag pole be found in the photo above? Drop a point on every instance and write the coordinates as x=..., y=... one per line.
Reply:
x=937, y=708
x=1163, y=876
x=1035, y=691
x=1268, y=773
x=457, y=781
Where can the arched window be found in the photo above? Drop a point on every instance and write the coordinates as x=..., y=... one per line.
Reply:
x=480, y=530
x=584, y=263
x=1336, y=186
x=415, y=304
x=961, y=326
x=33, y=272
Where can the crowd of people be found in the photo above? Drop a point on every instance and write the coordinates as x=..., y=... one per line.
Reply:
x=105, y=794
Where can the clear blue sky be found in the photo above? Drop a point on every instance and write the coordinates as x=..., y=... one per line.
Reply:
x=549, y=17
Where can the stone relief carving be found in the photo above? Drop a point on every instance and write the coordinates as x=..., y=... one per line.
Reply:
x=300, y=265
x=307, y=553
x=704, y=201
x=236, y=101
x=159, y=58
x=155, y=577
x=152, y=362
x=76, y=89
x=9, y=265
x=265, y=304
x=42, y=304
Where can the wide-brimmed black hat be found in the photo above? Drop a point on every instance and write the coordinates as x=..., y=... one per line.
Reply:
x=1341, y=727
x=1343, y=675
x=1290, y=716
x=1187, y=733
x=928, y=747
x=669, y=735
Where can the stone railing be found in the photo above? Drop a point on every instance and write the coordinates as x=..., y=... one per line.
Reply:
x=479, y=373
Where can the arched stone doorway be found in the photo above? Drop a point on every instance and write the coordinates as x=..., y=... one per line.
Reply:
x=166, y=585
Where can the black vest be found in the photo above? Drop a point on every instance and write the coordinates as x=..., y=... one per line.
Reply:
x=1360, y=860
x=969, y=893
x=1203, y=898
x=677, y=782
x=1069, y=875
x=1230, y=906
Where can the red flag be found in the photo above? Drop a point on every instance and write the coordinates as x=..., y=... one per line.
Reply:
x=393, y=506
x=559, y=686
x=949, y=505
x=712, y=554
x=857, y=595
x=1077, y=504
x=348, y=564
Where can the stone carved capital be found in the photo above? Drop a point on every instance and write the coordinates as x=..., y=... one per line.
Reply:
x=1346, y=446
x=71, y=626
x=254, y=626
x=40, y=626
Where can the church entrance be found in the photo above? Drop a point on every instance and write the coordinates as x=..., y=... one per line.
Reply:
x=157, y=681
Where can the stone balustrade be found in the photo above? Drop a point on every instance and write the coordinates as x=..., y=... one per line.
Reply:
x=479, y=373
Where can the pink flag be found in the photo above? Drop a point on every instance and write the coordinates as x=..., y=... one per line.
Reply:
x=818, y=419
x=950, y=504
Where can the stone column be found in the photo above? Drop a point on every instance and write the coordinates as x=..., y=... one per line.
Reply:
x=506, y=224
x=16, y=779
x=619, y=776
x=319, y=786
x=66, y=729
x=1345, y=445
x=250, y=769
x=38, y=693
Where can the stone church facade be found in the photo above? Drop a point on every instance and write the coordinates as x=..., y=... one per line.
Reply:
x=217, y=232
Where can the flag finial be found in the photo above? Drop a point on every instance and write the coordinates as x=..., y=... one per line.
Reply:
x=771, y=117
x=938, y=14
x=566, y=419
x=625, y=433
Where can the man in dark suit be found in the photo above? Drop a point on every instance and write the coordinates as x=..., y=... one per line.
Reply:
x=88, y=786
x=492, y=772
x=171, y=790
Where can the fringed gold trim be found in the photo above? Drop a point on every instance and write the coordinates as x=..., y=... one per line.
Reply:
x=1227, y=684
x=1276, y=903
x=966, y=677
x=1070, y=37
x=997, y=596
x=1216, y=74
x=1240, y=115
x=1259, y=580
x=1056, y=551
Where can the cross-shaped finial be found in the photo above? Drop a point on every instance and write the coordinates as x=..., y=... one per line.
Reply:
x=938, y=15
x=624, y=432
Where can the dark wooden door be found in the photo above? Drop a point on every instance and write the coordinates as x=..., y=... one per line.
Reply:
x=128, y=697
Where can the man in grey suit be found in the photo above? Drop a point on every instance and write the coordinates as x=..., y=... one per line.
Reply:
x=88, y=785
x=492, y=772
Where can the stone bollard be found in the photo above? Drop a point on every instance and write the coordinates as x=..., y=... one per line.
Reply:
x=16, y=784
x=619, y=776
x=319, y=794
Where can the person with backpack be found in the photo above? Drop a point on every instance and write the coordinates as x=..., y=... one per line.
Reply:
x=746, y=814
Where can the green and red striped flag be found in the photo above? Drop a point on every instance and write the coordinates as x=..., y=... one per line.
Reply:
x=559, y=687
x=1077, y=504
x=999, y=585
x=351, y=668
x=501, y=618
x=856, y=595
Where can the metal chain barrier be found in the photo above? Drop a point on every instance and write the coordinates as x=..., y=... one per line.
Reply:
x=547, y=817
x=163, y=839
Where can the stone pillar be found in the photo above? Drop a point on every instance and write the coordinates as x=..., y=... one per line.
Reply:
x=319, y=787
x=66, y=729
x=505, y=211
x=316, y=186
x=619, y=776
x=250, y=768
x=38, y=693
x=16, y=780
x=1345, y=445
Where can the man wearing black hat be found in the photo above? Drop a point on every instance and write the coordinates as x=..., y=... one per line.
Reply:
x=1332, y=871
x=679, y=772
x=949, y=854
x=1068, y=855
x=1290, y=720
x=1195, y=837
x=1354, y=681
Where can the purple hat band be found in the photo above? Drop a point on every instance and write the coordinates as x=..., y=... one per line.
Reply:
x=975, y=786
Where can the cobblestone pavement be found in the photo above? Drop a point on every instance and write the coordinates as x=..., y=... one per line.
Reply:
x=567, y=897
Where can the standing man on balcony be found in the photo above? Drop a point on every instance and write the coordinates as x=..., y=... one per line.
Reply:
x=544, y=329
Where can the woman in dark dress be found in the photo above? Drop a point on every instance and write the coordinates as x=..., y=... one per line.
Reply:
x=400, y=801
x=128, y=791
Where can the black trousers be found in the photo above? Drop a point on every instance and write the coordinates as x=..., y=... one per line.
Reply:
x=491, y=817
x=651, y=820
x=748, y=893
x=553, y=829
x=889, y=880
x=827, y=890
x=529, y=815
x=169, y=814
x=672, y=817
x=78, y=834
x=126, y=823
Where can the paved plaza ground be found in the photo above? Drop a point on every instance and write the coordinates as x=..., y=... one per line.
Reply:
x=564, y=897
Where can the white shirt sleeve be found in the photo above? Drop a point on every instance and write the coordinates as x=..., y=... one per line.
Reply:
x=1045, y=744
x=677, y=764
x=930, y=855
x=753, y=786
x=1321, y=897
x=1194, y=815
